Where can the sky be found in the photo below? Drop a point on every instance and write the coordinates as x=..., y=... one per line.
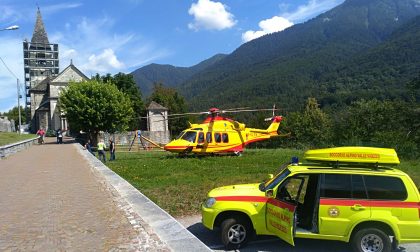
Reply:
x=105, y=36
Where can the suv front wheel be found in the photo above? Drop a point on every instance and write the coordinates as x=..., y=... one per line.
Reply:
x=235, y=232
x=371, y=240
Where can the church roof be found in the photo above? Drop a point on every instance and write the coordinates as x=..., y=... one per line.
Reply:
x=65, y=76
x=156, y=106
x=60, y=79
x=44, y=106
x=41, y=86
x=40, y=35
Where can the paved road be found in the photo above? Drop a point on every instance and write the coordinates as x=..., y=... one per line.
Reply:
x=50, y=200
x=268, y=243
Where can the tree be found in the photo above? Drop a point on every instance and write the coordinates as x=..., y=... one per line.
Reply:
x=93, y=106
x=390, y=124
x=14, y=114
x=126, y=84
x=312, y=127
x=169, y=98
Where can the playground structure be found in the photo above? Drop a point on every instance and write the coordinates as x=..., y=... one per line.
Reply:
x=131, y=141
x=141, y=142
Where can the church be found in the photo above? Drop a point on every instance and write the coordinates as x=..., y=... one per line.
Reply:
x=44, y=81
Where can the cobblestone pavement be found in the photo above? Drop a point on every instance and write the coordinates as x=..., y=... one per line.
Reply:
x=50, y=200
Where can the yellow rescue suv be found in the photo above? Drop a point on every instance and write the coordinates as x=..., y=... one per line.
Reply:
x=349, y=194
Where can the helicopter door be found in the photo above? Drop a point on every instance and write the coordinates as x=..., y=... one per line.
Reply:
x=200, y=140
x=280, y=216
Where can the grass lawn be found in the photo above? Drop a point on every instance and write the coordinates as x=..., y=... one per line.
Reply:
x=180, y=185
x=13, y=137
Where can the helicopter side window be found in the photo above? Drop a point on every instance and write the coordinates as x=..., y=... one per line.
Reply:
x=200, y=138
x=208, y=137
x=225, y=138
x=190, y=136
x=217, y=137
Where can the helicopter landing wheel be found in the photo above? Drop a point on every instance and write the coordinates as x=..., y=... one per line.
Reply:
x=185, y=152
x=238, y=153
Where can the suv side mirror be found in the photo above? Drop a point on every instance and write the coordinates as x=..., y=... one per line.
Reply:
x=269, y=193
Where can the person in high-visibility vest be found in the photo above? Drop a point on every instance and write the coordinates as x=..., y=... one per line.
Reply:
x=101, y=150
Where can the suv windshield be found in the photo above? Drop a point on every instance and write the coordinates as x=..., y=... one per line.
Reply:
x=270, y=184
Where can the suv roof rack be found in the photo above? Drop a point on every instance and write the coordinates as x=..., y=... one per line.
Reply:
x=347, y=165
x=362, y=156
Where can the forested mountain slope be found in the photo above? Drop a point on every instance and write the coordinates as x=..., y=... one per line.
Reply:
x=168, y=75
x=382, y=73
x=287, y=67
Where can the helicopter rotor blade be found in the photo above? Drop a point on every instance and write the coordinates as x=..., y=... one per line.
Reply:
x=215, y=111
x=192, y=113
x=246, y=110
x=230, y=109
x=170, y=118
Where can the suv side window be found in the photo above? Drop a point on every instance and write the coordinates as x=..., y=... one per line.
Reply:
x=336, y=186
x=385, y=188
x=343, y=186
x=358, y=187
x=293, y=189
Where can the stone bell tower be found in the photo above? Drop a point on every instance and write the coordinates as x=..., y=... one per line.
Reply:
x=40, y=59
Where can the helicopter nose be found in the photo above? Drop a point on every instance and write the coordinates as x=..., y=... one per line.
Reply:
x=176, y=146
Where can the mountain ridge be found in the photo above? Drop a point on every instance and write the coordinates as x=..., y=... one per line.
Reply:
x=304, y=60
x=170, y=75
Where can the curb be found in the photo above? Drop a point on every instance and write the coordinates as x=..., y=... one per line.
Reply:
x=168, y=229
x=10, y=149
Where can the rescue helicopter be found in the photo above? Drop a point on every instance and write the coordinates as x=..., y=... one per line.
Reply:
x=221, y=135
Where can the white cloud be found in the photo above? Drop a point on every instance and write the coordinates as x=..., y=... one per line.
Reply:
x=311, y=9
x=6, y=13
x=95, y=48
x=210, y=15
x=49, y=9
x=267, y=26
x=102, y=62
x=286, y=19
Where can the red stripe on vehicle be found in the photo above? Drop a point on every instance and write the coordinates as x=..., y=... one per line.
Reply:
x=370, y=203
x=242, y=198
x=175, y=147
x=282, y=204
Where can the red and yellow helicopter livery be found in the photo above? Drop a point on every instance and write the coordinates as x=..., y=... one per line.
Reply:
x=218, y=134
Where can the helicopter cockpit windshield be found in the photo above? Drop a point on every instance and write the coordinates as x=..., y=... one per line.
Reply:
x=189, y=136
x=180, y=135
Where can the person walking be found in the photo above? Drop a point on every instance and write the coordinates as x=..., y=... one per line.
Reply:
x=88, y=146
x=101, y=150
x=60, y=136
x=41, y=134
x=111, y=150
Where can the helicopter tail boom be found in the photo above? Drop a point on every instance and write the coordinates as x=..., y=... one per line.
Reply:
x=272, y=129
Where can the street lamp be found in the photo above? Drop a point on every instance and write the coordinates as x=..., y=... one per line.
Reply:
x=18, y=97
x=15, y=27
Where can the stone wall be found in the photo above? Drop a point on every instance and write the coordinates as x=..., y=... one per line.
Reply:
x=10, y=149
x=6, y=125
x=162, y=137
